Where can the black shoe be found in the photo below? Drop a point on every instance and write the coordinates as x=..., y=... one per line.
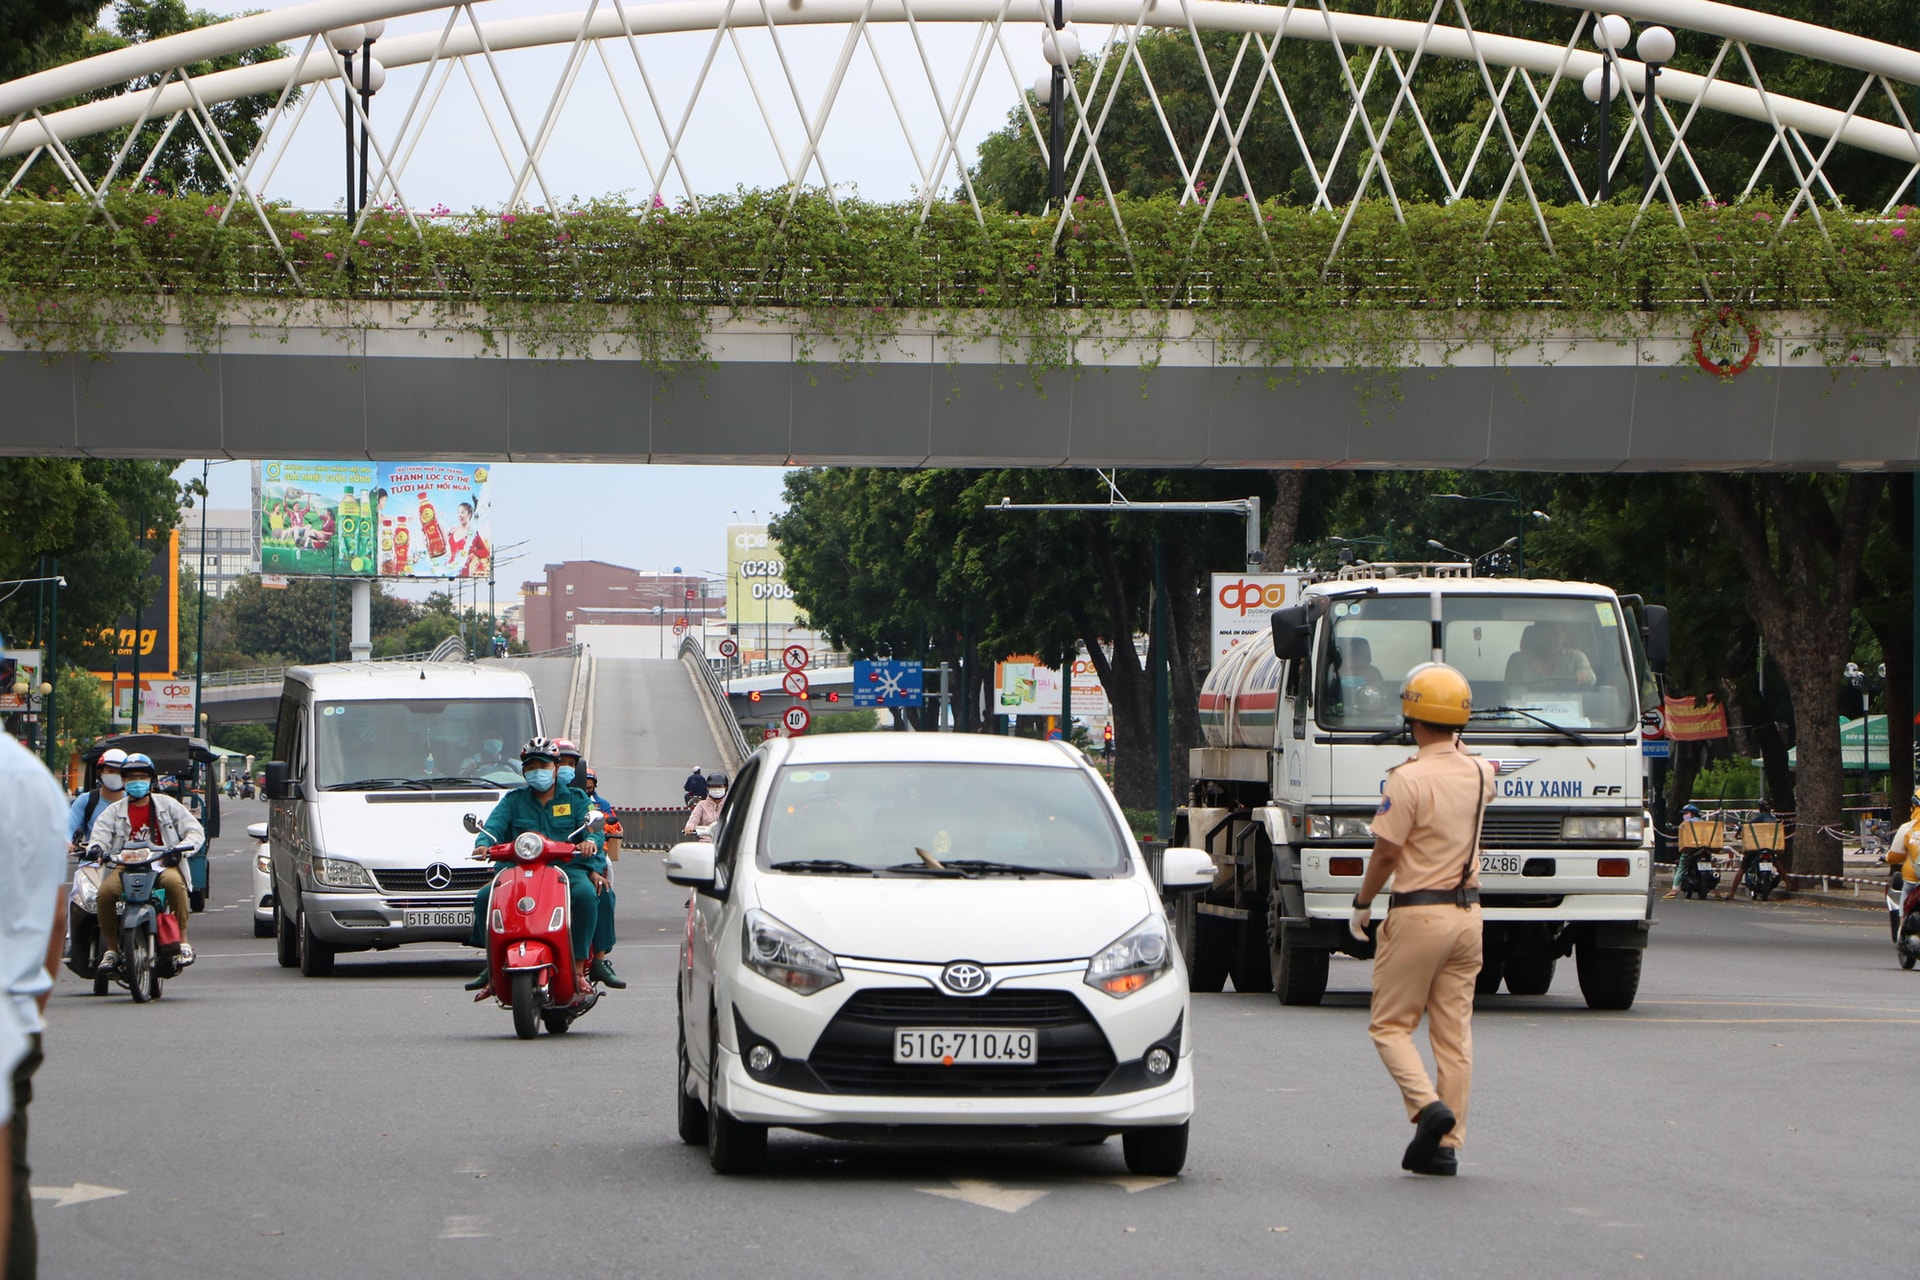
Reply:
x=483, y=978
x=1443, y=1163
x=603, y=973
x=1434, y=1122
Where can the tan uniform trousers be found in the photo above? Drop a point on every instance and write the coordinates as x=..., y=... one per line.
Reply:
x=1427, y=962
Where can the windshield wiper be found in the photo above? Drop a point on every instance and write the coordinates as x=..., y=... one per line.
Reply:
x=376, y=784
x=825, y=865
x=448, y=780
x=1577, y=737
x=987, y=866
x=1388, y=735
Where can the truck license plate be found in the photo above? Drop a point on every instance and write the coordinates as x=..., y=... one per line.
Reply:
x=966, y=1046
x=1500, y=864
x=449, y=918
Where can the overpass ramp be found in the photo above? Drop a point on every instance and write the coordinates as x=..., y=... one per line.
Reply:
x=648, y=729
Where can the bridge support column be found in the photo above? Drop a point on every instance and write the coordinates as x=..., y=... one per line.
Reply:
x=360, y=645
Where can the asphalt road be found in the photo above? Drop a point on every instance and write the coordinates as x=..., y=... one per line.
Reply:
x=648, y=731
x=1742, y=1119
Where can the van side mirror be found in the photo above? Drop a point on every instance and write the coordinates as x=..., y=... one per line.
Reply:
x=279, y=780
x=1292, y=633
x=1654, y=635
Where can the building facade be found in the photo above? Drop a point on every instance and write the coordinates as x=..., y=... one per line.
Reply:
x=580, y=593
x=232, y=551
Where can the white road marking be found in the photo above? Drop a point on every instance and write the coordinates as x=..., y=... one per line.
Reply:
x=986, y=1194
x=460, y=1227
x=1133, y=1184
x=78, y=1193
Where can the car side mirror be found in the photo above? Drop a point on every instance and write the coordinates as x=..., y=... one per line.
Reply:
x=690, y=864
x=1292, y=633
x=279, y=780
x=1184, y=869
x=257, y=831
x=1654, y=635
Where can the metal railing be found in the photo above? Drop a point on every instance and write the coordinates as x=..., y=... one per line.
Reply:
x=695, y=657
x=777, y=666
x=274, y=675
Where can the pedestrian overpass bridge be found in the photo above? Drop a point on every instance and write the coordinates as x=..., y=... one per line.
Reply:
x=1485, y=296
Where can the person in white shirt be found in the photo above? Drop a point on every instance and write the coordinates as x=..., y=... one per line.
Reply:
x=33, y=862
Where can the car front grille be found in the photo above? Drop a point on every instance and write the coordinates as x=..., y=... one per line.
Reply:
x=414, y=880
x=855, y=1053
x=1520, y=828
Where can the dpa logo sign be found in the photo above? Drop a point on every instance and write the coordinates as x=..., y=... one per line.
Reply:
x=1243, y=596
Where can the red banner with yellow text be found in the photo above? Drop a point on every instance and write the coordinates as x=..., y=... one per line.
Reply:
x=1695, y=719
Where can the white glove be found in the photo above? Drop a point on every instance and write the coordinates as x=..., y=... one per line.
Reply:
x=1357, y=926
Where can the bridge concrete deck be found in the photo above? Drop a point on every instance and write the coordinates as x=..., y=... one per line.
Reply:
x=649, y=730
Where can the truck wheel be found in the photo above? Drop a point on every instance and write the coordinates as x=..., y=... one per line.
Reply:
x=1530, y=975
x=1159, y=1152
x=316, y=957
x=1300, y=973
x=1209, y=954
x=286, y=945
x=1252, y=956
x=1493, y=967
x=1609, y=976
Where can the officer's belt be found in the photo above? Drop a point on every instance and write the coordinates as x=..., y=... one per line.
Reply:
x=1437, y=898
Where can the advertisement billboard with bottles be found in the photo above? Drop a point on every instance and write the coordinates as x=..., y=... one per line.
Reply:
x=757, y=590
x=374, y=519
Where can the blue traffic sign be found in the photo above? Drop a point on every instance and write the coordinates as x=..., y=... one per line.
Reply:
x=886, y=683
x=1656, y=748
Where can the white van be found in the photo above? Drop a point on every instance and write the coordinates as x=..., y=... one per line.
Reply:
x=373, y=766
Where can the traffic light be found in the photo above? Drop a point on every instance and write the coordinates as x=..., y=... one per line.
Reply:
x=754, y=696
x=832, y=696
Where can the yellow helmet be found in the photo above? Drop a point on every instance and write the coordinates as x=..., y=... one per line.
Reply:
x=1436, y=694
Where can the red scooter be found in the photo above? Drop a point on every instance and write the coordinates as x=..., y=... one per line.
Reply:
x=529, y=943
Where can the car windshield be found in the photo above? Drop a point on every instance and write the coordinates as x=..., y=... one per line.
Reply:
x=1558, y=659
x=393, y=743
x=880, y=816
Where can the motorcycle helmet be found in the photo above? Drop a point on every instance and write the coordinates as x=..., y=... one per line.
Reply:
x=716, y=782
x=1435, y=694
x=115, y=756
x=540, y=749
x=588, y=775
x=566, y=748
x=138, y=760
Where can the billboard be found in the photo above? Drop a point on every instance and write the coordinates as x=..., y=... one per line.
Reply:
x=1024, y=687
x=154, y=635
x=17, y=665
x=1243, y=605
x=162, y=702
x=435, y=520
x=317, y=518
x=757, y=590
x=374, y=519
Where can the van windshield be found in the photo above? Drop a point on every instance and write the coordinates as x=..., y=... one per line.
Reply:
x=1562, y=659
x=977, y=819
x=398, y=743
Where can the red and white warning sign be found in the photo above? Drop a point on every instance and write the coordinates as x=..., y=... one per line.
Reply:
x=796, y=719
x=795, y=656
x=795, y=683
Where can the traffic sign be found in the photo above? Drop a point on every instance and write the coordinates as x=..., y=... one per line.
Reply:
x=795, y=683
x=689, y=593
x=796, y=719
x=729, y=648
x=769, y=734
x=680, y=627
x=1653, y=723
x=886, y=683
x=1656, y=749
x=795, y=657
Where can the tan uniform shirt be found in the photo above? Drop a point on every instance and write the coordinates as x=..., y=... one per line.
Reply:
x=1429, y=808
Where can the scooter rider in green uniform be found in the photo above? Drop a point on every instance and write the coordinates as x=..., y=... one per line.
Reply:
x=573, y=772
x=555, y=811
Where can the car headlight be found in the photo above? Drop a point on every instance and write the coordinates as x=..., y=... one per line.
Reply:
x=338, y=873
x=529, y=845
x=1132, y=960
x=785, y=955
x=1590, y=828
x=263, y=861
x=1331, y=826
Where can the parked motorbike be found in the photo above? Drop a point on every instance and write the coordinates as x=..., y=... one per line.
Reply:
x=1698, y=876
x=149, y=947
x=1762, y=877
x=529, y=939
x=1903, y=914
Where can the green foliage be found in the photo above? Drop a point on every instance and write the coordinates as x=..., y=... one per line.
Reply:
x=81, y=713
x=864, y=721
x=1265, y=277
x=251, y=739
x=33, y=33
x=1729, y=779
x=308, y=620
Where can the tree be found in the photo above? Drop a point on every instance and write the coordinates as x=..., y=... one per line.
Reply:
x=1802, y=540
x=33, y=31
x=308, y=620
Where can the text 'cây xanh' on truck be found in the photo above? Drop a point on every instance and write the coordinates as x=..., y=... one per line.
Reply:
x=1302, y=724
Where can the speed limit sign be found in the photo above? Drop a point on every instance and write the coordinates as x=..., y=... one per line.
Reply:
x=729, y=648
x=796, y=719
x=795, y=657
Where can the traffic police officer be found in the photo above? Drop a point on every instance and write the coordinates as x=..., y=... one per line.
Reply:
x=1427, y=838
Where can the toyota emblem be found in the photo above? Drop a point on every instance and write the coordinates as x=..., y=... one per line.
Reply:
x=964, y=978
x=439, y=876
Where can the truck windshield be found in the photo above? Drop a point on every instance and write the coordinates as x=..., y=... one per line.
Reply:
x=980, y=819
x=1562, y=659
x=394, y=743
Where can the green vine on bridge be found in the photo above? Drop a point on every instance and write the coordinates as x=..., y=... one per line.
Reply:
x=603, y=275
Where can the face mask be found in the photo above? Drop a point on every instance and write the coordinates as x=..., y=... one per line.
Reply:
x=111, y=781
x=138, y=788
x=493, y=746
x=717, y=794
x=539, y=779
x=566, y=774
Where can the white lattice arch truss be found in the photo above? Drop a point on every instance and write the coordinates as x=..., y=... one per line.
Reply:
x=518, y=124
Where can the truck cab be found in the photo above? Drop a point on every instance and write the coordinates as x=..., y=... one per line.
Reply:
x=1303, y=724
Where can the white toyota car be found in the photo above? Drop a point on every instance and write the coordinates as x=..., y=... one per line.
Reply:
x=931, y=937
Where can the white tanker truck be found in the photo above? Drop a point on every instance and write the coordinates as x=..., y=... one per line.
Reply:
x=1302, y=724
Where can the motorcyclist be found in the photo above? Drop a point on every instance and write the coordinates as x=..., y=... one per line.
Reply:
x=609, y=838
x=696, y=786
x=552, y=809
x=706, y=810
x=141, y=814
x=1903, y=852
x=88, y=804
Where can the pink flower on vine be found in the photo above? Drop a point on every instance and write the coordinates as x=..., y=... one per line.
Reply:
x=1763, y=216
x=151, y=219
x=509, y=219
x=563, y=237
x=214, y=210
x=329, y=257
x=299, y=235
x=364, y=244
x=1899, y=233
x=659, y=202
